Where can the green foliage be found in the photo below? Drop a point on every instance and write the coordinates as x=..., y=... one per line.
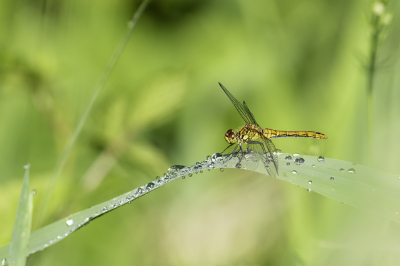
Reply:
x=19, y=243
x=299, y=66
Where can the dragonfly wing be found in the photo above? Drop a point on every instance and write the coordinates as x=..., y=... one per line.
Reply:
x=251, y=116
x=265, y=156
x=272, y=156
x=242, y=109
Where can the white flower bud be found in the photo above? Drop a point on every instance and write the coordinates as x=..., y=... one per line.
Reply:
x=378, y=8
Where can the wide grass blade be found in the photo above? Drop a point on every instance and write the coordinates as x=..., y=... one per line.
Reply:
x=22, y=227
x=368, y=189
x=71, y=142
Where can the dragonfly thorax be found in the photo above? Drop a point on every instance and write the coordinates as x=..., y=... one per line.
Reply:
x=230, y=136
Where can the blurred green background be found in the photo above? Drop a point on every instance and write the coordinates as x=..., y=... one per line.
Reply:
x=300, y=65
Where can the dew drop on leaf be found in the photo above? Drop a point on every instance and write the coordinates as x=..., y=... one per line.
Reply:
x=351, y=171
x=216, y=156
x=70, y=222
x=299, y=161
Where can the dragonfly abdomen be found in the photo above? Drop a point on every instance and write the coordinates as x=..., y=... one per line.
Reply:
x=274, y=134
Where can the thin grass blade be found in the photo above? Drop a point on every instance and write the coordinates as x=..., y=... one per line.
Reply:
x=22, y=227
x=71, y=142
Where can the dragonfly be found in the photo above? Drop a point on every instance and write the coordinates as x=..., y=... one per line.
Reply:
x=258, y=140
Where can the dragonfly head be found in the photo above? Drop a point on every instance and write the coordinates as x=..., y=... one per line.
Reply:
x=230, y=136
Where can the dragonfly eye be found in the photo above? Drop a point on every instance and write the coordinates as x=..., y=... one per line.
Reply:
x=230, y=136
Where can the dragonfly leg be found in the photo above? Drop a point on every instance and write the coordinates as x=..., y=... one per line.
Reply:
x=227, y=148
x=238, y=165
x=229, y=156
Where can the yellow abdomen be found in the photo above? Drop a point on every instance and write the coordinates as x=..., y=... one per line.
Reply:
x=273, y=134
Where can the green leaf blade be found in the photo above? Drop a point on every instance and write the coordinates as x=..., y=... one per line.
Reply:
x=368, y=189
x=22, y=227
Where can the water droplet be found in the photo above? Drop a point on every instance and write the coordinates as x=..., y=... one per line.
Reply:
x=238, y=165
x=27, y=166
x=201, y=171
x=175, y=168
x=190, y=175
x=296, y=154
x=332, y=178
x=33, y=191
x=287, y=163
x=321, y=159
x=309, y=190
x=351, y=171
x=310, y=182
x=278, y=151
x=70, y=222
x=208, y=157
x=313, y=165
x=149, y=185
x=288, y=157
x=341, y=170
x=4, y=262
x=294, y=172
x=183, y=177
x=299, y=161
x=216, y=156
x=222, y=169
x=138, y=192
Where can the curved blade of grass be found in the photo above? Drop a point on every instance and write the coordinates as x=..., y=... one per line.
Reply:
x=22, y=227
x=64, y=156
x=359, y=186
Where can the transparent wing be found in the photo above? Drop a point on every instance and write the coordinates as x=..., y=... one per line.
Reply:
x=241, y=108
x=267, y=156
x=273, y=157
x=249, y=113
